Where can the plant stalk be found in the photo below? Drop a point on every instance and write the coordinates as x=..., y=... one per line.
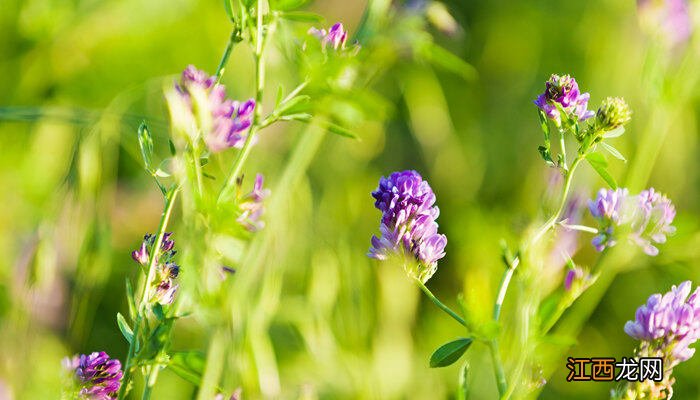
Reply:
x=162, y=226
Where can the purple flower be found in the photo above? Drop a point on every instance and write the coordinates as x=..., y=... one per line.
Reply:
x=645, y=219
x=563, y=91
x=577, y=280
x=654, y=217
x=142, y=255
x=252, y=206
x=165, y=286
x=200, y=108
x=669, y=18
x=669, y=322
x=408, y=224
x=97, y=376
x=336, y=36
x=608, y=209
x=230, y=125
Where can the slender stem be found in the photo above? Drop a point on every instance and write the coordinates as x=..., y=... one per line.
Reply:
x=562, y=146
x=503, y=288
x=508, y=274
x=165, y=217
x=151, y=379
x=198, y=173
x=498, y=369
x=214, y=365
x=562, y=203
x=581, y=228
x=260, y=41
x=440, y=305
x=227, y=53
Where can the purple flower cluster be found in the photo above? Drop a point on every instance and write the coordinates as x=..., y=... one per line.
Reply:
x=670, y=18
x=167, y=271
x=97, y=376
x=408, y=224
x=336, y=36
x=562, y=92
x=252, y=207
x=669, y=323
x=645, y=219
x=221, y=122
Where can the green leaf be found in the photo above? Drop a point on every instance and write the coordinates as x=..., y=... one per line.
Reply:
x=304, y=117
x=600, y=165
x=146, y=145
x=446, y=60
x=229, y=9
x=339, y=130
x=125, y=328
x=171, y=147
x=449, y=353
x=130, y=300
x=614, y=133
x=292, y=105
x=301, y=16
x=188, y=365
x=285, y=5
x=546, y=155
x=280, y=96
x=158, y=311
x=615, y=152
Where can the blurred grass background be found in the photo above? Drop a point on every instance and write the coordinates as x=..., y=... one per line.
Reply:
x=79, y=76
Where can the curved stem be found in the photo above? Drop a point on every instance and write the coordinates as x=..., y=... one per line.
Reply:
x=260, y=41
x=503, y=288
x=440, y=305
x=508, y=274
x=562, y=203
x=165, y=217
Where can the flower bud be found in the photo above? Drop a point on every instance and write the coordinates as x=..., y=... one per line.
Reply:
x=613, y=113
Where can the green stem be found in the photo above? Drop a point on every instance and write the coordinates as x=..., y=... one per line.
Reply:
x=214, y=365
x=198, y=172
x=151, y=379
x=498, y=369
x=440, y=305
x=508, y=274
x=562, y=145
x=260, y=42
x=562, y=202
x=227, y=53
x=165, y=217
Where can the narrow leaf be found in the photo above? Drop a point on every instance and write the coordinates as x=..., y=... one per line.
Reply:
x=446, y=60
x=614, y=133
x=301, y=16
x=280, y=96
x=130, y=299
x=615, y=152
x=229, y=9
x=125, y=328
x=188, y=365
x=146, y=145
x=449, y=353
x=599, y=164
x=339, y=130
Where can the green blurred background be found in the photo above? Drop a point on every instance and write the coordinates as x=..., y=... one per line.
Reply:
x=79, y=76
